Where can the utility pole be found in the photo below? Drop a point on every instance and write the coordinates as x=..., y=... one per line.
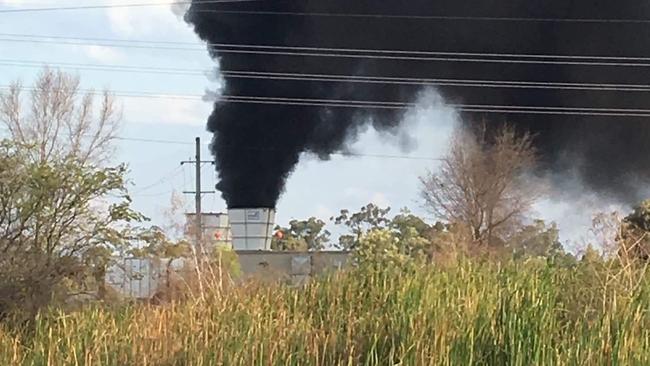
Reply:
x=198, y=192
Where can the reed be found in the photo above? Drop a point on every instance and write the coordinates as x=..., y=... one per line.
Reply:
x=470, y=314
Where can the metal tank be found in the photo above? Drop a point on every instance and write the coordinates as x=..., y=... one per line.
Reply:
x=251, y=228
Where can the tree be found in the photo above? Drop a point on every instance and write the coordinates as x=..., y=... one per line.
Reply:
x=482, y=183
x=58, y=120
x=406, y=221
x=634, y=236
x=536, y=240
x=61, y=137
x=414, y=236
x=59, y=219
x=301, y=235
x=378, y=249
x=368, y=218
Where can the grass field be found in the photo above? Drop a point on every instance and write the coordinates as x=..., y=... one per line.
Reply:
x=470, y=314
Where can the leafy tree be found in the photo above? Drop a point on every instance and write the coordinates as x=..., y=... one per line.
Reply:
x=301, y=235
x=60, y=135
x=370, y=217
x=415, y=237
x=54, y=217
x=410, y=236
x=158, y=244
x=536, y=240
x=407, y=220
x=378, y=249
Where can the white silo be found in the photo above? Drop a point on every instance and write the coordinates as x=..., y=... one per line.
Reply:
x=251, y=228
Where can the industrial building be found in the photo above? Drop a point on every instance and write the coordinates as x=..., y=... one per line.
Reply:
x=249, y=232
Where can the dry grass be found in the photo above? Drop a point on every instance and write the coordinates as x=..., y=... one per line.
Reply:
x=471, y=314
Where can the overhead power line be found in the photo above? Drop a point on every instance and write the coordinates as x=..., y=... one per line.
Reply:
x=428, y=17
x=334, y=15
x=110, y=68
x=265, y=149
x=110, y=6
x=153, y=141
x=434, y=81
x=311, y=77
x=485, y=59
x=141, y=195
x=427, y=53
x=396, y=55
x=127, y=94
x=101, y=39
x=271, y=149
x=363, y=104
x=164, y=179
x=111, y=45
x=475, y=108
x=333, y=49
x=106, y=67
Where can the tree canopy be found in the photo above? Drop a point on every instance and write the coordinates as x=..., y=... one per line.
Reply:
x=58, y=219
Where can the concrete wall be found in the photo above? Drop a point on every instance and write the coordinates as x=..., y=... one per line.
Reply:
x=141, y=278
x=296, y=267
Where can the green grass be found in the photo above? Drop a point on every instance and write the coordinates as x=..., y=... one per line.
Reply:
x=471, y=314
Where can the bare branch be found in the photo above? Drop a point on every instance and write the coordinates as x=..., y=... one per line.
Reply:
x=482, y=183
x=59, y=121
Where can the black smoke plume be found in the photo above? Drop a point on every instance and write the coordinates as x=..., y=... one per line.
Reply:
x=256, y=146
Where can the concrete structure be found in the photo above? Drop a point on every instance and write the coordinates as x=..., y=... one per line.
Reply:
x=294, y=267
x=252, y=228
x=143, y=278
x=250, y=232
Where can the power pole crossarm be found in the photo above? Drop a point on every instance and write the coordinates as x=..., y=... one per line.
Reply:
x=192, y=162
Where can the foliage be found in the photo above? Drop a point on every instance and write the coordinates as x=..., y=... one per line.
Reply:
x=536, y=240
x=301, y=235
x=59, y=220
x=370, y=217
x=379, y=249
x=415, y=237
x=158, y=244
x=226, y=260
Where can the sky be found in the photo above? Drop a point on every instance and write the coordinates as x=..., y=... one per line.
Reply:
x=316, y=188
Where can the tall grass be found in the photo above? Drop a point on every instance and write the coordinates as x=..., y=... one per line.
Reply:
x=471, y=314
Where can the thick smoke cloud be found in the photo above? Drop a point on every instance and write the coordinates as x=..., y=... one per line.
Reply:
x=256, y=146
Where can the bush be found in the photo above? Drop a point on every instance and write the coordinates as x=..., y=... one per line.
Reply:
x=55, y=225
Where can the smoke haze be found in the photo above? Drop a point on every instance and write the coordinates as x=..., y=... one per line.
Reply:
x=256, y=146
